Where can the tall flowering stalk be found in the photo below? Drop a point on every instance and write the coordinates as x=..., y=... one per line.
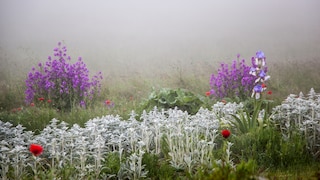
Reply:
x=247, y=120
x=233, y=82
x=65, y=84
x=259, y=70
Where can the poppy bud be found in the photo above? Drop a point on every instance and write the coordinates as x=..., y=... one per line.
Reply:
x=225, y=133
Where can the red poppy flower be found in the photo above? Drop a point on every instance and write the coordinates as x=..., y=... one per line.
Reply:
x=49, y=101
x=269, y=92
x=208, y=93
x=41, y=99
x=107, y=102
x=32, y=104
x=263, y=85
x=225, y=133
x=36, y=149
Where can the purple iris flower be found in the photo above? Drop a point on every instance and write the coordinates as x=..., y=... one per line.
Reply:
x=262, y=74
x=257, y=88
x=260, y=54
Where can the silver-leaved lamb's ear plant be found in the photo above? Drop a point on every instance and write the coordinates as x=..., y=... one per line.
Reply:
x=300, y=114
x=14, y=152
x=186, y=141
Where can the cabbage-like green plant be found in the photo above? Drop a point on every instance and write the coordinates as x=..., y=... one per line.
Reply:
x=171, y=98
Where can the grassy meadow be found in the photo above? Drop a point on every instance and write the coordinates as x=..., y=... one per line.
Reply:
x=259, y=153
x=127, y=91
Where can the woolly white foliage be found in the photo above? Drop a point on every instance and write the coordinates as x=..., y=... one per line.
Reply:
x=190, y=139
x=302, y=113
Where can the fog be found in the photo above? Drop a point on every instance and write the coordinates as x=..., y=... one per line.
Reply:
x=149, y=37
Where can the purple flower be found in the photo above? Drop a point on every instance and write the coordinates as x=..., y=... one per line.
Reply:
x=64, y=48
x=233, y=82
x=73, y=81
x=259, y=68
x=253, y=71
x=82, y=104
x=260, y=55
x=257, y=88
x=262, y=74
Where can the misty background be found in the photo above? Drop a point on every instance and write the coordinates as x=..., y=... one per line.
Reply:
x=152, y=38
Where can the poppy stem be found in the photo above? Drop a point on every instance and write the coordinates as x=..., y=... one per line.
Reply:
x=35, y=167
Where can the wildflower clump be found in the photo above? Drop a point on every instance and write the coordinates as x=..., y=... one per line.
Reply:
x=61, y=82
x=233, y=82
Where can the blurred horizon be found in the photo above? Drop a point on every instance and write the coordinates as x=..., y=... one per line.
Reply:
x=157, y=37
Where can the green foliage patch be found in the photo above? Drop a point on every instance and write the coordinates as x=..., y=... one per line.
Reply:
x=170, y=98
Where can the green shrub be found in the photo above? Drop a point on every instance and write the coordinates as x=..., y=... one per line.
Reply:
x=112, y=162
x=224, y=171
x=171, y=98
x=269, y=149
x=156, y=168
x=33, y=118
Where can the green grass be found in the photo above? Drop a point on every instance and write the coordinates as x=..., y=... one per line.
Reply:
x=293, y=77
x=129, y=92
x=303, y=172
